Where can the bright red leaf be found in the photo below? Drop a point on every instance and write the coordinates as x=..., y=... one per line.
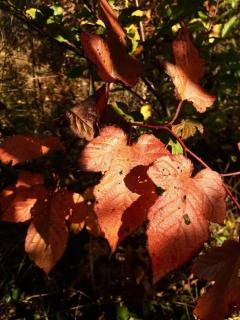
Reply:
x=178, y=221
x=18, y=149
x=222, y=265
x=110, y=154
x=110, y=54
x=187, y=72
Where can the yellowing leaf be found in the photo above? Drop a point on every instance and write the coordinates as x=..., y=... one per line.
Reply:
x=187, y=128
x=32, y=12
x=146, y=111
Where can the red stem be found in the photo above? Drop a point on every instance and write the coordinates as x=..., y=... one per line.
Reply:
x=231, y=174
x=179, y=107
x=234, y=199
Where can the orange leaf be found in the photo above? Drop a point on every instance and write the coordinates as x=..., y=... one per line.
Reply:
x=18, y=149
x=110, y=55
x=110, y=154
x=222, y=265
x=187, y=72
x=47, y=236
x=179, y=219
x=18, y=200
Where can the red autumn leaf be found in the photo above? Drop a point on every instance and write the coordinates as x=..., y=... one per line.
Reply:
x=18, y=149
x=84, y=118
x=110, y=55
x=47, y=235
x=187, y=72
x=222, y=265
x=110, y=19
x=178, y=221
x=110, y=154
x=18, y=200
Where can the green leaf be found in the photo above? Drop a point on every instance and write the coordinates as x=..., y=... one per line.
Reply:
x=119, y=109
x=176, y=147
x=57, y=10
x=122, y=313
x=229, y=25
x=133, y=36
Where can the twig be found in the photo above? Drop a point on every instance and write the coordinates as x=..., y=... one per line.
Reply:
x=134, y=93
x=231, y=174
x=141, y=28
x=156, y=95
x=233, y=198
x=179, y=107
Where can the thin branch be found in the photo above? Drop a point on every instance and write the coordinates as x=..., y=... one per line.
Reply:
x=233, y=198
x=231, y=174
x=176, y=115
x=151, y=88
x=134, y=93
x=141, y=28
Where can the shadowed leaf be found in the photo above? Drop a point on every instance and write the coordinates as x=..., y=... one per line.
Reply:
x=187, y=72
x=222, y=265
x=18, y=200
x=110, y=55
x=85, y=117
x=18, y=149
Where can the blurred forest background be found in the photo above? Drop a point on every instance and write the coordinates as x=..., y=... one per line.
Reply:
x=43, y=73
